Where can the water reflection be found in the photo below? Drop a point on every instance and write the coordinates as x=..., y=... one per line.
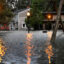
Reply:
x=2, y=49
x=49, y=52
x=49, y=48
x=49, y=34
x=29, y=47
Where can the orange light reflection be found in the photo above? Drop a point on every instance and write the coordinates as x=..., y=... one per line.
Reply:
x=49, y=49
x=2, y=50
x=29, y=46
x=49, y=52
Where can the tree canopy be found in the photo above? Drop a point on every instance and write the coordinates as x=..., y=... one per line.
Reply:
x=39, y=6
x=5, y=12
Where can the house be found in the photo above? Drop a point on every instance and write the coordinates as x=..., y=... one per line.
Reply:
x=21, y=19
x=50, y=19
x=14, y=23
x=18, y=21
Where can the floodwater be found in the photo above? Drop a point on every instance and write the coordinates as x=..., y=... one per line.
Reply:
x=31, y=48
x=2, y=49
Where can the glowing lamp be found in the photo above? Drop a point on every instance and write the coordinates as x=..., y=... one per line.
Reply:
x=49, y=16
x=28, y=13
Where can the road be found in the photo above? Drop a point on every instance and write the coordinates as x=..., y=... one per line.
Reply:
x=32, y=48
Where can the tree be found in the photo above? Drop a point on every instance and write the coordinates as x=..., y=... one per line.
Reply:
x=5, y=12
x=45, y=5
x=35, y=19
x=57, y=22
x=39, y=6
x=36, y=15
x=22, y=4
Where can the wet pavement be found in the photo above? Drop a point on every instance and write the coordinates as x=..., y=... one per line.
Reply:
x=32, y=48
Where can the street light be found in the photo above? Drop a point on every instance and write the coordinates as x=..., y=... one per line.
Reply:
x=28, y=16
x=49, y=16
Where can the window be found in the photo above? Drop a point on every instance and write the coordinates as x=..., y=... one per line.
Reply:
x=23, y=25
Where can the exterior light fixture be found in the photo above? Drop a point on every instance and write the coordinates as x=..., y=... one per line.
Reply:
x=49, y=16
x=28, y=14
x=28, y=17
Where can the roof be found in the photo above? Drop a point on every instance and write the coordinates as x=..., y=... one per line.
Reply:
x=23, y=13
x=54, y=13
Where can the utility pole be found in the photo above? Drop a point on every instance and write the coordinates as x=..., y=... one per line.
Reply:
x=57, y=22
x=28, y=16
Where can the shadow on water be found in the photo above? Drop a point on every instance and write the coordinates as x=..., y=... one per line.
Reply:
x=57, y=49
x=49, y=55
x=60, y=49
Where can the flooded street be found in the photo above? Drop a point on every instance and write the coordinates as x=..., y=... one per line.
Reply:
x=32, y=48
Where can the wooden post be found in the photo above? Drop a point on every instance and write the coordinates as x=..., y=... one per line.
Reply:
x=43, y=26
x=57, y=22
x=62, y=25
x=61, y=22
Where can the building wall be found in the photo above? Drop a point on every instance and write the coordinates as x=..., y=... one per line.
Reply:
x=21, y=19
x=62, y=17
x=54, y=18
x=51, y=23
x=14, y=23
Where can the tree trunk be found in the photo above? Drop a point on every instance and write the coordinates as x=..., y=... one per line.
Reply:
x=57, y=22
